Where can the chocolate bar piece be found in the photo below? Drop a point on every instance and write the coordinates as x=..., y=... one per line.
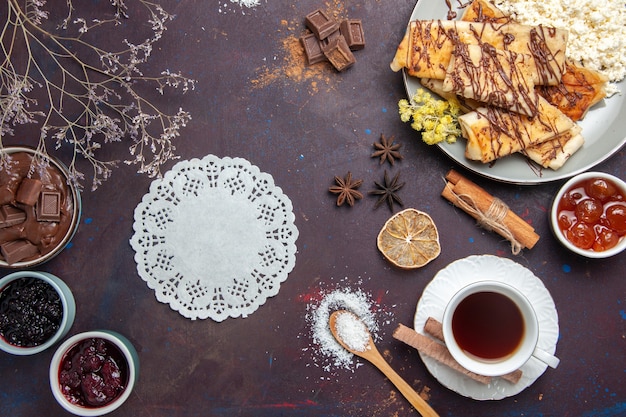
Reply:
x=28, y=192
x=18, y=250
x=7, y=193
x=352, y=30
x=324, y=43
x=312, y=49
x=339, y=54
x=8, y=234
x=320, y=24
x=49, y=206
x=10, y=216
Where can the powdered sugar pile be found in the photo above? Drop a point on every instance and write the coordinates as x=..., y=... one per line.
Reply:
x=328, y=353
x=224, y=5
x=351, y=331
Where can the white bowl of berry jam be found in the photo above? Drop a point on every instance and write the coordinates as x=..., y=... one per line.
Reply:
x=37, y=309
x=588, y=215
x=93, y=373
x=40, y=207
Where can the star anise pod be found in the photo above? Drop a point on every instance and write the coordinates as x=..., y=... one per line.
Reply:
x=386, y=150
x=388, y=191
x=347, y=190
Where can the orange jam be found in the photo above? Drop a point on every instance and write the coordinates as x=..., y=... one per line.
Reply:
x=592, y=214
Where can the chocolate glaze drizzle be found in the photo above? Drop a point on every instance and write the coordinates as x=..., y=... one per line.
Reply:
x=427, y=36
x=500, y=78
x=514, y=126
x=548, y=66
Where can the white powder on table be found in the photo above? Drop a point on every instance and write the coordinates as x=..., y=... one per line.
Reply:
x=597, y=30
x=248, y=4
x=357, y=302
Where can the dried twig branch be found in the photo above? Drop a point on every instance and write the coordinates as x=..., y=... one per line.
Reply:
x=87, y=104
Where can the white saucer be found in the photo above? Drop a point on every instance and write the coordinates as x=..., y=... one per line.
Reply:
x=479, y=267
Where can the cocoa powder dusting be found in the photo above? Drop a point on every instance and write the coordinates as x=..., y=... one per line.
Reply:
x=394, y=405
x=291, y=66
x=424, y=392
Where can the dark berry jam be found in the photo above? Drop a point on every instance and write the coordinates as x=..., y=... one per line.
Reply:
x=30, y=312
x=93, y=373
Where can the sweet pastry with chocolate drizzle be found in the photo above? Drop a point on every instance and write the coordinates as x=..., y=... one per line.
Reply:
x=512, y=80
x=495, y=76
x=428, y=45
x=492, y=133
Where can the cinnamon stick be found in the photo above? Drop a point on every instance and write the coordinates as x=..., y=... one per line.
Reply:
x=435, y=329
x=463, y=193
x=435, y=350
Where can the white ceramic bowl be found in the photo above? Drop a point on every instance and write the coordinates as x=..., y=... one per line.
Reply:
x=67, y=302
x=558, y=233
x=129, y=355
x=74, y=209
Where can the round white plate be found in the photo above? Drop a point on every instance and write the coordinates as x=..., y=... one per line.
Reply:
x=604, y=129
x=474, y=268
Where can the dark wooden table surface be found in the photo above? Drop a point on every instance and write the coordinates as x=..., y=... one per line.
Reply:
x=256, y=99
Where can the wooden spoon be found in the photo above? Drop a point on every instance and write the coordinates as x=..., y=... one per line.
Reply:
x=371, y=354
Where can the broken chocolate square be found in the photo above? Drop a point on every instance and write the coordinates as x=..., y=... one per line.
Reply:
x=339, y=54
x=28, y=192
x=10, y=216
x=330, y=39
x=312, y=49
x=49, y=206
x=352, y=30
x=320, y=24
x=18, y=250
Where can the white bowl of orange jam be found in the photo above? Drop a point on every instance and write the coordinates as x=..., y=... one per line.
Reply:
x=588, y=215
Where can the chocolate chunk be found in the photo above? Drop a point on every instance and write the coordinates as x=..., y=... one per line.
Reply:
x=18, y=250
x=8, y=234
x=352, y=30
x=49, y=206
x=29, y=190
x=7, y=194
x=339, y=54
x=324, y=43
x=312, y=49
x=10, y=216
x=320, y=24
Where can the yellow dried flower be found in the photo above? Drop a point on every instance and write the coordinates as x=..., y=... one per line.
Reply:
x=437, y=119
x=430, y=124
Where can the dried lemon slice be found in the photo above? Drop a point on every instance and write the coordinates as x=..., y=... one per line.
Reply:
x=409, y=239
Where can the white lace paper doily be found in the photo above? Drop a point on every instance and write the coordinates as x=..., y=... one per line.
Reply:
x=214, y=238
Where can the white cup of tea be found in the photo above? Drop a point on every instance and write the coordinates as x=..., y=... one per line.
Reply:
x=491, y=329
